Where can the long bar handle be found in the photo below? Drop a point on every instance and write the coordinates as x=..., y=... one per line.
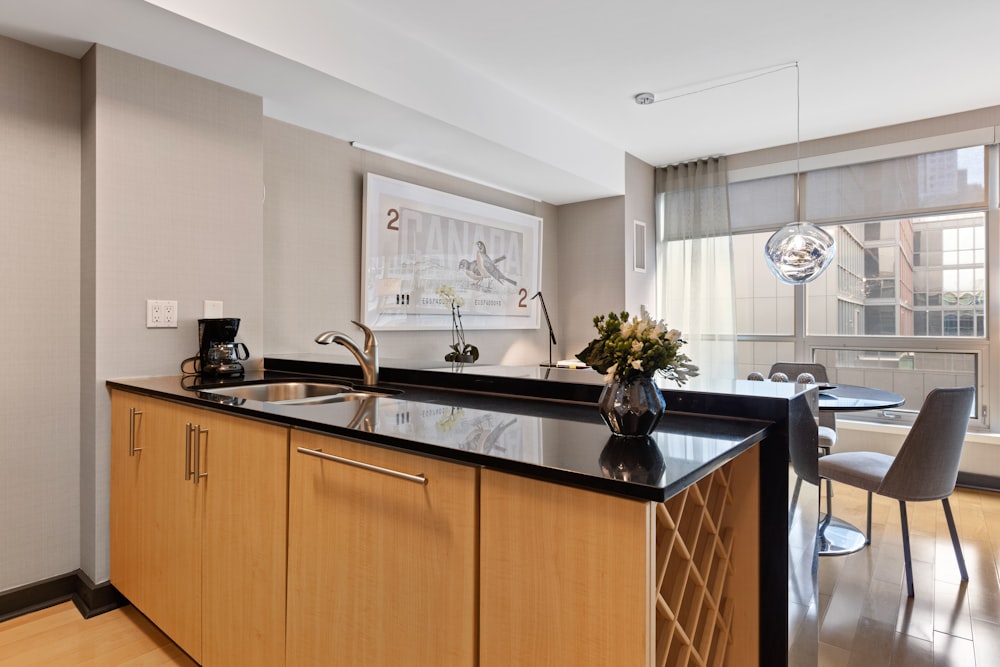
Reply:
x=187, y=452
x=132, y=449
x=418, y=478
x=196, y=431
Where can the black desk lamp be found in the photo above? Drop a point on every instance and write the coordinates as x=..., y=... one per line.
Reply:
x=552, y=335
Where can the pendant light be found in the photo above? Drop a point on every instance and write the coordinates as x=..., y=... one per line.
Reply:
x=800, y=251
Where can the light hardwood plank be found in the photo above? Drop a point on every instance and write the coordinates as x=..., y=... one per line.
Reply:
x=60, y=636
x=866, y=618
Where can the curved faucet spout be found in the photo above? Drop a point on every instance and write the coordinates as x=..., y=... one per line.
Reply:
x=367, y=356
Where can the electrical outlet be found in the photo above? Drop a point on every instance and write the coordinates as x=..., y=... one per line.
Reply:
x=161, y=314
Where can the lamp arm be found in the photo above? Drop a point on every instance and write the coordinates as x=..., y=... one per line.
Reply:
x=548, y=321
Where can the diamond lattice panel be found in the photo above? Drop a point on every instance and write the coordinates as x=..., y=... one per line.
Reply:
x=693, y=560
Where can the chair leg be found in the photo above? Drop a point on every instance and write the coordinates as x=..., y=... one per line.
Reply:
x=829, y=503
x=906, y=549
x=795, y=501
x=868, y=522
x=825, y=451
x=954, y=539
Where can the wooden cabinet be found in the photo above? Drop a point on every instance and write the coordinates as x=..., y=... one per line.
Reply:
x=566, y=576
x=198, y=523
x=394, y=558
x=156, y=518
x=381, y=568
x=576, y=577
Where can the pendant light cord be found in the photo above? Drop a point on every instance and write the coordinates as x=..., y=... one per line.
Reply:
x=798, y=143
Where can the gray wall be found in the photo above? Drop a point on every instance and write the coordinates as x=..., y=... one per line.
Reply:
x=40, y=330
x=175, y=167
x=124, y=180
x=312, y=227
x=640, y=288
x=596, y=257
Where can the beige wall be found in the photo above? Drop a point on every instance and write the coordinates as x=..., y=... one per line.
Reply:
x=124, y=180
x=175, y=167
x=640, y=288
x=40, y=327
x=591, y=267
x=312, y=227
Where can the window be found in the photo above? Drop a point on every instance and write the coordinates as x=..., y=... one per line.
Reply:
x=903, y=306
x=921, y=276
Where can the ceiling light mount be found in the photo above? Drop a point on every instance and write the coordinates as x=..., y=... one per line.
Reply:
x=643, y=99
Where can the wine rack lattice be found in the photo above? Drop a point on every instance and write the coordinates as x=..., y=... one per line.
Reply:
x=693, y=569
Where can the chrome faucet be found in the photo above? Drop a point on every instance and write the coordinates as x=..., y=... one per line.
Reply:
x=367, y=357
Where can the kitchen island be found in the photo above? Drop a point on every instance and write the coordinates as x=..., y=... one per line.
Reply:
x=559, y=544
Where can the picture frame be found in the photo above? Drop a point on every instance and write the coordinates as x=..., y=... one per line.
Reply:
x=417, y=240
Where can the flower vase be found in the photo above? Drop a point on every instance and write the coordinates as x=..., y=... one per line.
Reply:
x=632, y=408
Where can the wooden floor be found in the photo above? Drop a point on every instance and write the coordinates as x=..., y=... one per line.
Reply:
x=865, y=618
x=60, y=637
x=864, y=615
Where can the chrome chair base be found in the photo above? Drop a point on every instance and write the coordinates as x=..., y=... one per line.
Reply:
x=836, y=537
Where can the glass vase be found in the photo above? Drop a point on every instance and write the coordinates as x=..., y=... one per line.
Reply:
x=632, y=408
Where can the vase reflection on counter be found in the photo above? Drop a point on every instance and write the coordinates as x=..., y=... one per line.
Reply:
x=632, y=408
x=636, y=460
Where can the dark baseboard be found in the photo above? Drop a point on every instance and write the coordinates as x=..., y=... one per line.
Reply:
x=94, y=599
x=90, y=599
x=971, y=480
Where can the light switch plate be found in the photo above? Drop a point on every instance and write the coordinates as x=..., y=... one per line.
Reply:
x=212, y=309
x=161, y=314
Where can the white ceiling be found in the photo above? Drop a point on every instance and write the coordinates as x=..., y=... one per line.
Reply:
x=536, y=96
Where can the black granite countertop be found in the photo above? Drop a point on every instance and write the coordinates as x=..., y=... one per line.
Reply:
x=550, y=430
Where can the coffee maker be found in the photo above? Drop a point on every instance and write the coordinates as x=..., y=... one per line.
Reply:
x=219, y=354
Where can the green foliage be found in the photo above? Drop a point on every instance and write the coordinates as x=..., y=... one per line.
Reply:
x=459, y=352
x=627, y=349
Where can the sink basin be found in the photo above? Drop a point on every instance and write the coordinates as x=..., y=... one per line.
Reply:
x=294, y=393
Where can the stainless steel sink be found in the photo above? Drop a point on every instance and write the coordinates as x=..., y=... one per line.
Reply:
x=294, y=393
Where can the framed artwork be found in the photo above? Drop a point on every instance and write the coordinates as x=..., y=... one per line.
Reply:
x=417, y=242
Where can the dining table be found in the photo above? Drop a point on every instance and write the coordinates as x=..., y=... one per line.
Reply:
x=838, y=537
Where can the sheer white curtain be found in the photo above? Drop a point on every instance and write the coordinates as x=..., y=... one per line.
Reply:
x=694, y=267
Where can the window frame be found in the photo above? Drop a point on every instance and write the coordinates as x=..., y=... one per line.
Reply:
x=987, y=373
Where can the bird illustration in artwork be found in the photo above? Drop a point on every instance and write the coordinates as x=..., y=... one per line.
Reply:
x=471, y=270
x=488, y=267
x=470, y=267
x=484, y=438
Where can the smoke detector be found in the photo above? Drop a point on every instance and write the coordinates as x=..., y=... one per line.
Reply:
x=645, y=98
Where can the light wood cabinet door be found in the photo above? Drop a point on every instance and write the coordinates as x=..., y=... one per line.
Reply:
x=129, y=428
x=381, y=570
x=204, y=561
x=566, y=576
x=156, y=518
x=243, y=541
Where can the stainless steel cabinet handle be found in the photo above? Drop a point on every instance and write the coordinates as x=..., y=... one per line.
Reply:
x=187, y=452
x=132, y=449
x=196, y=431
x=418, y=478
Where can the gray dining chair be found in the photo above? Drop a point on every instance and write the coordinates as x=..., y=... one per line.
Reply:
x=827, y=419
x=827, y=423
x=925, y=468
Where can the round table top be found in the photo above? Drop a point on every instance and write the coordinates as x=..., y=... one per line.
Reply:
x=848, y=397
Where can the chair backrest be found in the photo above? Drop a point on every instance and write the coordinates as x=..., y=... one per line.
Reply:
x=793, y=368
x=926, y=466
